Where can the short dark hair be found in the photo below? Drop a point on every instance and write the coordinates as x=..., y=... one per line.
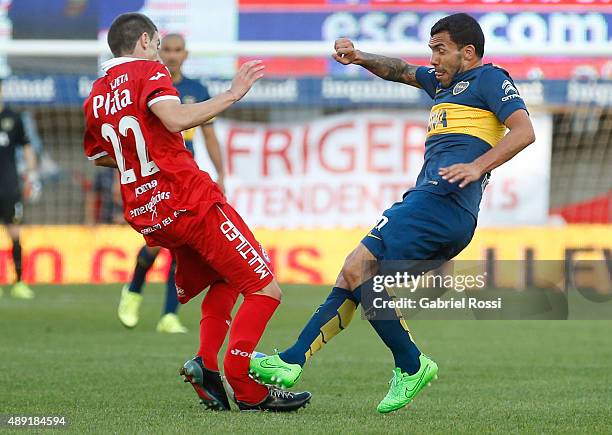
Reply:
x=463, y=30
x=125, y=31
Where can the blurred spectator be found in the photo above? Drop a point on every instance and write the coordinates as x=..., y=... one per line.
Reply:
x=13, y=136
x=103, y=200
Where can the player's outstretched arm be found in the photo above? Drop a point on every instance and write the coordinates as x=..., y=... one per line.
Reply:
x=521, y=135
x=388, y=68
x=178, y=117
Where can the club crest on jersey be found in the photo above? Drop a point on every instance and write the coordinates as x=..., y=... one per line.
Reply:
x=460, y=87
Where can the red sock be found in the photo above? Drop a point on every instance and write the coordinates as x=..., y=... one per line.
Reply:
x=216, y=317
x=247, y=328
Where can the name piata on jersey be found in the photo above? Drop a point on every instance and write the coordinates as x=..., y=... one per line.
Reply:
x=113, y=102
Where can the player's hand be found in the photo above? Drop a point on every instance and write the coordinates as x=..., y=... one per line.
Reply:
x=463, y=173
x=345, y=51
x=246, y=77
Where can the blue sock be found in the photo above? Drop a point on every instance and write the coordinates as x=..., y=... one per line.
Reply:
x=144, y=261
x=171, y=297
x=393, y=331
x=330, y=318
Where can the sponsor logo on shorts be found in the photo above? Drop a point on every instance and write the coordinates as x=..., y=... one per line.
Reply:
x=244, y=248
x=264, y=253
x=164, y=223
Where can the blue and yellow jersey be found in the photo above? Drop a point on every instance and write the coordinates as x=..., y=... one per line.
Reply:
x=465, y=122
x=191, y=91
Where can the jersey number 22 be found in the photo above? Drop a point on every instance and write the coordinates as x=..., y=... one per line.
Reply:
x=147, y=167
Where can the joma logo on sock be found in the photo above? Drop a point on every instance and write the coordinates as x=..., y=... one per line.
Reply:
x=239, y=352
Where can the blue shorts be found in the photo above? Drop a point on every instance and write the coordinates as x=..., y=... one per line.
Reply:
x=424, y=226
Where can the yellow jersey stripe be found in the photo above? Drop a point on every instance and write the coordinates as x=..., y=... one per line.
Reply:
x=446, y=118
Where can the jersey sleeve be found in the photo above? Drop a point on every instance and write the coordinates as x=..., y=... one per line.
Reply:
x=500, y=94
x=427, y=79
x=157, y=86
x=93, y=149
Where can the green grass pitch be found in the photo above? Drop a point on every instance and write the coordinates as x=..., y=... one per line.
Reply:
x=65, y=353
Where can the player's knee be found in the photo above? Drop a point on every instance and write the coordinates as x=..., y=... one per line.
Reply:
x=273, y=290
x=153, y=250
x=358, y=267
x=352, y=275
x=146, y=257
x=341, y=282
x=14, y=232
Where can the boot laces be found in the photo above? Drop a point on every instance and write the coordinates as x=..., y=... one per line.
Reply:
x=280, y=394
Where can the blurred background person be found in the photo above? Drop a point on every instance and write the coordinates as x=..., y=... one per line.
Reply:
x=103, y=199
x=12, y=136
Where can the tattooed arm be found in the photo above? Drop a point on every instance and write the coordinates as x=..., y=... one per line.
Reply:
x=388, y=68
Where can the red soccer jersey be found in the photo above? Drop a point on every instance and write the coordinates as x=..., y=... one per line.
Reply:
x=160, y=180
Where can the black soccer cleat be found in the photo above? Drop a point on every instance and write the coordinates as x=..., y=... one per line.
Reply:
x=278, y=400
x=207, y=384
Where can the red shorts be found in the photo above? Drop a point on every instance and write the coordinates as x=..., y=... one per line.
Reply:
x=222, y=248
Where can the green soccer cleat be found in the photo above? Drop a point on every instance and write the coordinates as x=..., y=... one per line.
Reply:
x=405, y=387
x=170, y=324
x=129, y=307
x=21, y=290
x=272, y=370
